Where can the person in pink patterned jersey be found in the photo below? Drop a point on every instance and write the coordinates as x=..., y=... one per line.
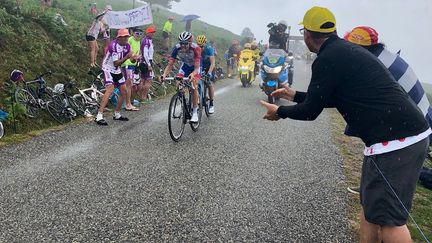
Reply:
x=118, y=52
x=147, y=50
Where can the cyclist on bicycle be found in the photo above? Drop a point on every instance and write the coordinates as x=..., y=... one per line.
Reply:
x=190, y=55
x=208, y=63
x=118, y=52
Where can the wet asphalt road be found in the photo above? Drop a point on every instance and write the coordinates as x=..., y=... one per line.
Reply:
x=239, y=178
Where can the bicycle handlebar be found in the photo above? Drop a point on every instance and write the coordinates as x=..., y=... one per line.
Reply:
x=43, y=74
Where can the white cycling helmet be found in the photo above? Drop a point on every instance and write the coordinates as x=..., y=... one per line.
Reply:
x=185, y=36
x=59, y=88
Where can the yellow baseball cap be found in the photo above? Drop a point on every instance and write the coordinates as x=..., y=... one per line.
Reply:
x=319, y=19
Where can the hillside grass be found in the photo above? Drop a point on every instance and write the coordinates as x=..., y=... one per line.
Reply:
x=33, y=42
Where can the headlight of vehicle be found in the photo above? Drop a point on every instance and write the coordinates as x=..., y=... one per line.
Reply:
x=272, y=70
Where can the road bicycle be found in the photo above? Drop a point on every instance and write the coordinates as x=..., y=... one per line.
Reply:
x=180, y=108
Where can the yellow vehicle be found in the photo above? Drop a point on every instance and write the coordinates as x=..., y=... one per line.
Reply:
x=246, y=66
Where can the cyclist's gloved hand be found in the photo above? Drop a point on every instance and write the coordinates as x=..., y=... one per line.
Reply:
x=210, y=75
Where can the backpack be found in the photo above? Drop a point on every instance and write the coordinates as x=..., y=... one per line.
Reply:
x=426, y=177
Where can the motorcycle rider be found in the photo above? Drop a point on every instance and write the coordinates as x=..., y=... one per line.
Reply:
x=257, y=54
x=278, y=38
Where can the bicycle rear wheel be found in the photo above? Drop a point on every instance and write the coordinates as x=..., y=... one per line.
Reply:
x=176, y=117
x=24, y=98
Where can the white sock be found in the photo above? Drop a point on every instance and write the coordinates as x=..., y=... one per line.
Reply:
x=195, y=109
x=99, y=116
x=117, y=114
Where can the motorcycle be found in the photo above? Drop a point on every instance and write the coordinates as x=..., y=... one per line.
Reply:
x=274, y=72
x=246, y=68
x=3, y=116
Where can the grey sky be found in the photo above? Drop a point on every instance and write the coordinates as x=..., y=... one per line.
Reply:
x=401, y=24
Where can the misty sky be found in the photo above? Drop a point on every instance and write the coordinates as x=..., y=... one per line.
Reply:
x=401, y=24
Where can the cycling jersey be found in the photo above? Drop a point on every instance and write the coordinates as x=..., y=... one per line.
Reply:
x=147, y=50
x=135, y=48
x=189, y=57
x=206, y=53
x=115, y=52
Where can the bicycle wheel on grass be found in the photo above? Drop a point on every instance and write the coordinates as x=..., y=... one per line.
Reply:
x=77, y=103
x=58, y=111
x=24, y=98
x=176, y=117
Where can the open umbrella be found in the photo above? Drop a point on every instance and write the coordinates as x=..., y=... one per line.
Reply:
x=190, y=17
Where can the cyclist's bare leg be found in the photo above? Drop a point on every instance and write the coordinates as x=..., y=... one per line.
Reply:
x=195, y=95
x=123, y=95
x=211, y=91
x=108, y=91
x=128, y=93
x=146, y=87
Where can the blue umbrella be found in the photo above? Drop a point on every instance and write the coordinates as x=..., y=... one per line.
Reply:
x=190, y=17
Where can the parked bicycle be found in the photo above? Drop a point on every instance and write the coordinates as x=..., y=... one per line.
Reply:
x=36, y=96
x=180, y=109
x=91, y=96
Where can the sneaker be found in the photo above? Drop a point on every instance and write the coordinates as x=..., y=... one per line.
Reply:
x=194, y=117
x=101, y=122
x=211, y=109
x=354, y=190
x=121, y=118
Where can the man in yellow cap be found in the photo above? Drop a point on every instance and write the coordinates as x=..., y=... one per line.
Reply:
x=352, y=80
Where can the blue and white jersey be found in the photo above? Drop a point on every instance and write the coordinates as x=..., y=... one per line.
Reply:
x=406, y=77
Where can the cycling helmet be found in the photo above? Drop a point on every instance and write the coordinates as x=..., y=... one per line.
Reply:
x=185, y=37
x=16, y=75
x=201, y=40
x=247, y=46
x=59, y=88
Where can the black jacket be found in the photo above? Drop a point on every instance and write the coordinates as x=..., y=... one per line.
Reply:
x=353, y=80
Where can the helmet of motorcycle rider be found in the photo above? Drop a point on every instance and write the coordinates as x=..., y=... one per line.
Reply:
x=185, y=37
x=284, y=23
x=254, y=44
x=247, y=46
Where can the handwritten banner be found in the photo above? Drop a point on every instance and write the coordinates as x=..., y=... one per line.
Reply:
x=131, y=18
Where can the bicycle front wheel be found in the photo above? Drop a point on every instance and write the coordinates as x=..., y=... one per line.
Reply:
x=176, y=117
x=77, y=103
x=58, y=111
